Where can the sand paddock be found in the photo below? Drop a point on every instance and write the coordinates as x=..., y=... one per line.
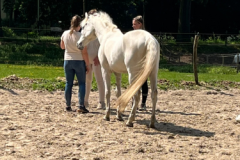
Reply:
x=192, y=124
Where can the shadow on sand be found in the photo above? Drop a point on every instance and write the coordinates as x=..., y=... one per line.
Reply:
x=163, y=127
x=9, y=90
x=172, y=128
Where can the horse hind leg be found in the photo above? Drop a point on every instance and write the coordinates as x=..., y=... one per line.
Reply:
x=153, y=83
x=133, y=111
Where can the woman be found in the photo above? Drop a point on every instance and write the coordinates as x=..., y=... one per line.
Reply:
x=75, y=63
x=137, y=23
x=92, y=50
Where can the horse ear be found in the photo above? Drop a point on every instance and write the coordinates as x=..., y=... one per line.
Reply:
x=86, y=15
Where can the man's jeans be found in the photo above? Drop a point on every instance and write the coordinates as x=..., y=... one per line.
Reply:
x=72, y=67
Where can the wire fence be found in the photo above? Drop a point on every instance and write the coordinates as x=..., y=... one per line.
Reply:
x=169, y=42
x=214, y=49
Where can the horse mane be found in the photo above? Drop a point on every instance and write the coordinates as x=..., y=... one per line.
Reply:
x=107, y=20
x=84, y=22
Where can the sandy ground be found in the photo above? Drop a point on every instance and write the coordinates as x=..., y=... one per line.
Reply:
x=191, y=125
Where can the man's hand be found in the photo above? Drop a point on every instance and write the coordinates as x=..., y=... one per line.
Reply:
x=96, y=61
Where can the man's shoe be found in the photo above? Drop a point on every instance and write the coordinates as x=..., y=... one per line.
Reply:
x=82, y=109
x=101, y=105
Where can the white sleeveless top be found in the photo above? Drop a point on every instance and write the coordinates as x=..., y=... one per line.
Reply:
x=70, y=42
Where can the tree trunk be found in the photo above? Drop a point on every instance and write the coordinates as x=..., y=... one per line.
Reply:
x=184, y=21
x=1, y=32
x=144, y=15
x=84, y=8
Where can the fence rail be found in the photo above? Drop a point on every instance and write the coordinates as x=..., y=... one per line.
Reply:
x=167, y=41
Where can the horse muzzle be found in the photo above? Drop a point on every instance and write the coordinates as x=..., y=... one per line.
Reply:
x=80, y=46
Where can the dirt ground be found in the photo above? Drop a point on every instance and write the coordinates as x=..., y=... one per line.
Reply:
x=192, y=125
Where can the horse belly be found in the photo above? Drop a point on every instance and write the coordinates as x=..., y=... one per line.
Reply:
x=118, y=67
x=115, y=56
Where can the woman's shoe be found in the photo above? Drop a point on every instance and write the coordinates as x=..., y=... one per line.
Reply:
x=142, y=107
x=82, y=109
x=69, y=109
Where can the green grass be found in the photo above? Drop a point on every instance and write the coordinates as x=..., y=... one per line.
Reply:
x=45, y=77
x=29, y=71
x=49, y=72
x=206, y=77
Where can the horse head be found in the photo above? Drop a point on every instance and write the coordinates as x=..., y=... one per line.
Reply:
x=87, y=31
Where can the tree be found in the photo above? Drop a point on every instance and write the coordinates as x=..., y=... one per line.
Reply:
x=1, y=32
x=8, y=7
x=184, y=20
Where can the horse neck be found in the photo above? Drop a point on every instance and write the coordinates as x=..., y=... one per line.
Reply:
x=101, y=31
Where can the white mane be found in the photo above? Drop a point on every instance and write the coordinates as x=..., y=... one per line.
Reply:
x=104, y=17
x=84, y=22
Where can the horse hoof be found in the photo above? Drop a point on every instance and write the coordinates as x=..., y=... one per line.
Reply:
x=106, y=118
x=119, y=118
x=129, y=124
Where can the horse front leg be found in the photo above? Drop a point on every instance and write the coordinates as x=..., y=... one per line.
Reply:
x=133, y=111
x=118, y=82
x=107, y=83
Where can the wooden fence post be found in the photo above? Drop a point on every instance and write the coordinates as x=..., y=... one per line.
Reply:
x=207, y=58
x=195, y=44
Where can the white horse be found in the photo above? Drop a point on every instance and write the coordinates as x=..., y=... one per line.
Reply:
x=236, y=58
x=137, y=53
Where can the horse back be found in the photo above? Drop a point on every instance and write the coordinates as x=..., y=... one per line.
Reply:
x=135, y=45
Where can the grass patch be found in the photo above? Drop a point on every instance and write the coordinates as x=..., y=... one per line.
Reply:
x=31, y=71
x=49, y=85
x=46, y=78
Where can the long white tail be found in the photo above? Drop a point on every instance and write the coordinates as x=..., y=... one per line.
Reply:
x=152, y=61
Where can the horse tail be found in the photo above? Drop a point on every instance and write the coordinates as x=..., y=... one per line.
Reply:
x=151, y=62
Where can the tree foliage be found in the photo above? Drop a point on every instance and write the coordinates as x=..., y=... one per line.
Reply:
x=161, y=16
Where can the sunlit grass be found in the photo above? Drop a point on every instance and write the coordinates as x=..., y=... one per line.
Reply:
x=173, y=79
x=30, y=71
x=50, y=72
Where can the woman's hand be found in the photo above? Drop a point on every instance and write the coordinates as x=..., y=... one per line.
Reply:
x=88, y=69
x=62, y=45
x=85, y=57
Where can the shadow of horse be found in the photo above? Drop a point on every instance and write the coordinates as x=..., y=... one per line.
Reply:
x=162, y=127
x=174, y=129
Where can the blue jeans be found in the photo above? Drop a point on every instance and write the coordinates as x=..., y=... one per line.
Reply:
x=72, y=67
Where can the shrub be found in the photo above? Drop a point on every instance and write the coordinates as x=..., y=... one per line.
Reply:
x=8, y=32
x=32, y=35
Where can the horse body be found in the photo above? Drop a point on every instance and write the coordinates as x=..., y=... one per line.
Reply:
x=136, y=53
x=112, y=53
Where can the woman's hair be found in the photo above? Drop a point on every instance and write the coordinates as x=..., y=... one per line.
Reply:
x=139, y=19
x=92, y=11
x=75, y=22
